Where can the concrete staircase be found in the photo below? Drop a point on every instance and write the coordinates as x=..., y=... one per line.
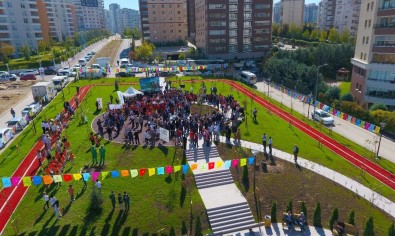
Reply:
x=227, y=209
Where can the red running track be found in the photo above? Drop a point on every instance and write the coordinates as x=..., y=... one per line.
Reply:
x=11, y=197
x=373, y=169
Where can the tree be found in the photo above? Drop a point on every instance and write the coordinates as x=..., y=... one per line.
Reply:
x=323, y=36
x=345, y=37
x=275, y=30
x=303, y=209
x=306, y=34
x=315, y=35
x=42, y=46
x=145, y=51
x=6, y=50
x=184, y=229
x=172, y=231
x=369, y=227
x=378, y=106
x=391, y=230
x=317, y=215
x=25, y=51
x=334, y=217
x=351, y=218
x=347, y=97
x=333, y=36
x=333, y=93
x=198, y=227
x=192, y=52
x=181, y=56
x=289, y=207
x=273, y=212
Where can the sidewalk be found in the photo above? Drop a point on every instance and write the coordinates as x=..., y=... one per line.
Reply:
x=352, y=132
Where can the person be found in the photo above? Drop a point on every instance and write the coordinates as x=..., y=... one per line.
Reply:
x=136, y=137
x=301, y=221
x=120, y=202
x=98, y=185
x=111, y=98
x=94, y=155
x=296, y=151
x=113, y=199
x=83, y=180
x=92, y=138
x=46, y=200
x=184, y=142
x=12, y=113
x=78, y=89
x=270, y=143
x=70, y=191
x=254, y=113
x=76, y=101
x=39, y=156
x=97, y=105
x=340, y=227
x=288, y=220
x=102, y=151
x=264, y=142
x=238, y=137
x=126, y=199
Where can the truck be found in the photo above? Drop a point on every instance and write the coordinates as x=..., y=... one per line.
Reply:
x=44, y=91
x=103, y=61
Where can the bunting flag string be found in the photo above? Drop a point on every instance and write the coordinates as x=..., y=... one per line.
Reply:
x=28, y=181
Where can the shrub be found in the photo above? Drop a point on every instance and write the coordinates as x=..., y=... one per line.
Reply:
x=334, y=217
x=273, y=212
x=391, y=230
x=198, y=227
x=172, y=231
x=317, y=215
x=245, y=174
x=351, y=218
x=289, y=207
x=378, y=106
x=303, y=209
x=369, y=227
x=184, y=229
x=95, y=203
x=347, y=97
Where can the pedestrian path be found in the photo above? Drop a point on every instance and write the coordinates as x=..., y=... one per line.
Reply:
x=368, y=194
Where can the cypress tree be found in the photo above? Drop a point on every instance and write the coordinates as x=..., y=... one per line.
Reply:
x=273, y=213
x=391, y=230
x=369, y=227
x=334, y=217
x=351, y=218
x=317, y=215
x=303, y=209
x=289, y=207
x=198, y=227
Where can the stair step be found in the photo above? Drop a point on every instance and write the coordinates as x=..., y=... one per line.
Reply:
x=228, y=209
x=214, y=179
x=231, y=221
x=227, y=216
x=227, y=206
x=215, y=184
x=236, y=229
x=237, y=224
x=211, y=173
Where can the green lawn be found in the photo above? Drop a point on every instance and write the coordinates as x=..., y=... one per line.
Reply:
x=344, y=87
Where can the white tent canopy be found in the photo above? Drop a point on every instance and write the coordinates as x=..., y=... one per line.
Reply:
x=131, y=92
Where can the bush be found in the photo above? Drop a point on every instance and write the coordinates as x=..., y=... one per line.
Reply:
x=317, y=216
x=245, y=174
x=95, y=203
x=378, y=106
x=273, y=212
x=391, y=230
x=369, y=227
x=351, y=218
x=198, y=227
x=334, y=217
x=347, y=97
x=289, y=207
x=303, y=209
x=184, y=229
x=172, y=231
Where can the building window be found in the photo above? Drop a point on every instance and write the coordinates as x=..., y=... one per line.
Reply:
x=262, y=22
x=368, y=7
x=357, y=87
x=371, y=6
x=363, y=40
x=217, y=32
x=361, y=56
x=218, y=23
x=364, y=56
x=262, y=6
x=216, y=6
x=367, y=40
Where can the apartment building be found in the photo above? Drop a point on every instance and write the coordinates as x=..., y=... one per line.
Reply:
x=128, y=18
x=292, y=12
x=326, y=14
x=89, y=14
x=310, y=13
x=61, y=17
x=230, y=29
x=373, y=74
x=277, y=13
x=191, y=20
x=114, y=8
x=164, y=21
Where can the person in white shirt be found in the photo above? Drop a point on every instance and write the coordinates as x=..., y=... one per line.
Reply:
x=98, y=185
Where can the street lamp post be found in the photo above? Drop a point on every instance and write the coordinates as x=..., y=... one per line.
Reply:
x=309, y=101
x=268, y=87
x=316, y=86
x=382, y=126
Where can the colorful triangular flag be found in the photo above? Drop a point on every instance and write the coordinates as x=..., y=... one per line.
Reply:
x=47, y=179
x=160, y=170
x=134, y=173
x=67, y=177
x=115, y=174
x=185, y=169
x=243, y=161
x=151, y=171
x=57, y=178
x=6, y=182
x=77, y=176
x=169, y=169
x=15, y=180
x=37, y=180
x=177, y=168
x=27, y=181
x=142, y=171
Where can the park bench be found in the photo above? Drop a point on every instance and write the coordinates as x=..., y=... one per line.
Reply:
x=295, y=216
x=349, y=229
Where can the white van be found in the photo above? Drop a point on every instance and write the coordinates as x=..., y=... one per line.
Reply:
x=82, y=61
x=43, y=89
x=247, y=77
x=59, y=82
x=124, y=61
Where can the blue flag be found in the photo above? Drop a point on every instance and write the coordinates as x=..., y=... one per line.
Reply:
x=160, y=170
x=6, y=182
x=37, y=180
x=86, y=176
x=185, y=169
x=115, y=174
x=251, y=160
x=228, y=163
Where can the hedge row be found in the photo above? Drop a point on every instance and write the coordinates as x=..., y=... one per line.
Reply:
x=17, y=65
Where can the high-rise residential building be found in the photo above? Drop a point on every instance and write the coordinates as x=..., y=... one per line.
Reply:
x=107, y=18
x=277, y=13
x=232, y=29
x=89, y=14
x=373, y=74
x=191, y=20
x=164, y=21
x=114, y=8
x=326, y=14
x=127, y=19
x=292, y=12
x=310, y=13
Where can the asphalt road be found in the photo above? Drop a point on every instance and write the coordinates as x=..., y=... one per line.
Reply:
x=352, y=132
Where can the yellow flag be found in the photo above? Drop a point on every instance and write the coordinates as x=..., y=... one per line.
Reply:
x=219, y=164
x=27, y=181
x=377, y=129
x=77, y=176
x=151, y=171
x=243, y=161
x=177, y=168
x=194, y=166
x=104, y=174
x=124, y=173
x=57, y=178
x=134, y=173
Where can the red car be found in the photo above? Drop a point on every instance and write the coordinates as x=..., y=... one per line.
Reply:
x=28, y=77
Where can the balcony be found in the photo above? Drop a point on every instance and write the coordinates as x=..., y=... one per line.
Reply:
x=384, y=48
x=387, y=10
x=387, y=98
x=384, y=29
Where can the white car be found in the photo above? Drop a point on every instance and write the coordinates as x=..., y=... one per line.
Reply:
x=32, y=110
x=323, y=117
x=5, y=136
x=29, y=72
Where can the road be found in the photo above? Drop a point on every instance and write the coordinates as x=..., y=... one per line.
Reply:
x=352, y=132
x=28, y=99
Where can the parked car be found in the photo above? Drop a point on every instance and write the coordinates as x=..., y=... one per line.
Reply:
x=207, y=73
x=17, y=123
x=32, y=110
x=49, y=72
x=29, y=72
x=5, y=136
x=323, y=117
x=28, y=77
x=124, y=74
x=6, y=77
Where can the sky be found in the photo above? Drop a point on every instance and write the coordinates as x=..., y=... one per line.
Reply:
x=134, y=4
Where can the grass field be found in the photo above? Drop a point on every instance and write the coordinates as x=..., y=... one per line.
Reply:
x=110, y=50
x=344, y=87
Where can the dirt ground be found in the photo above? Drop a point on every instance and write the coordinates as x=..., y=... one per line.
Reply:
x=11, y=92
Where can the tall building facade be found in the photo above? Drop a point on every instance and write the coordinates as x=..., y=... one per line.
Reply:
x=128, y=18
x=326, y=14
x=373, y=74
x=277, y=13
x=89, y=14
x=164, y=21
x=114, y=8
x=107, y=16
x=292, y=12
x=311, y=13
x=191, y=20
x=61, y=17
x=232, y=29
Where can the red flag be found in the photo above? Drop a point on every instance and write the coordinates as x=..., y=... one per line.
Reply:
x=169, y=169
x=142, y=171
x=211, y=165
x=67, y=177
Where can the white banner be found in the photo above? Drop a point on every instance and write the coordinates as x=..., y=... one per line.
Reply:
x=120, y=96
x=164, y=134
x=100, y=103
x=115, y=106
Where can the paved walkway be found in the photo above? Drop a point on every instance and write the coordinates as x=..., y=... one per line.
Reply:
x=352, y=132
